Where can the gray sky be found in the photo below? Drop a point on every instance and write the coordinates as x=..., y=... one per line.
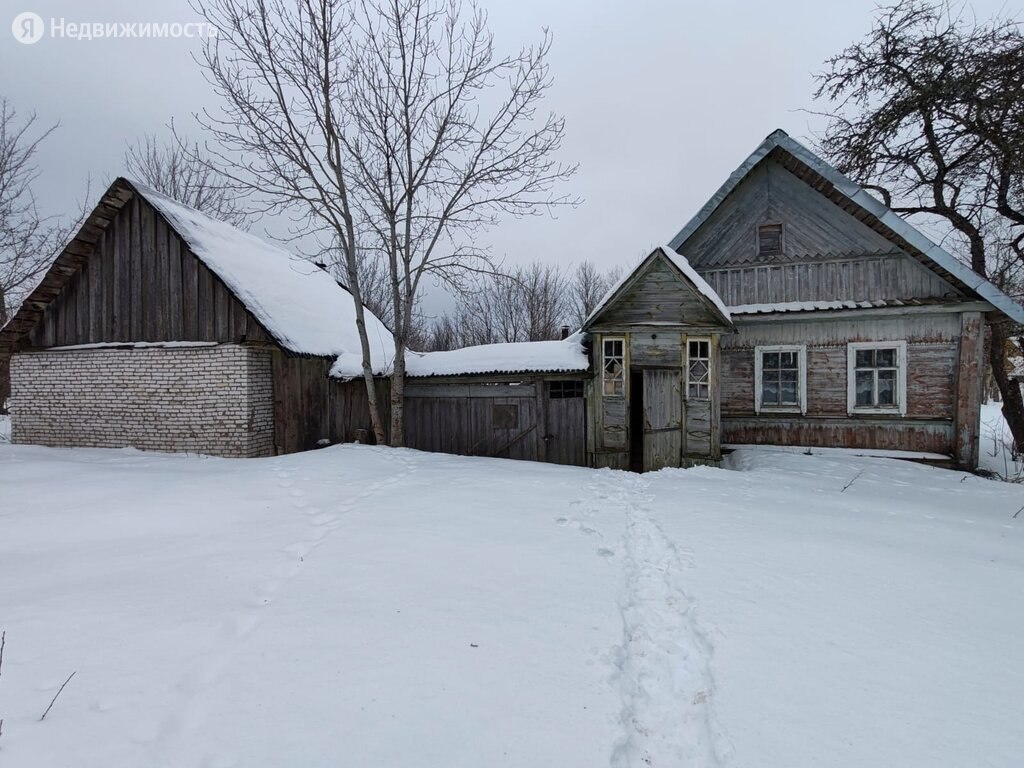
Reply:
x=662, y=100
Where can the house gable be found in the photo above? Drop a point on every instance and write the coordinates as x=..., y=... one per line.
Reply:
x=658, y=293
x=826, y=253
x=831, y=255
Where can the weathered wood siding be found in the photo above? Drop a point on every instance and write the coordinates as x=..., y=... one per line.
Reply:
x=657, y=295
x=676, y=429
x=969, y=384
x=827, y=254
x=933, y=349
x=310, y=407
x=507, y=420
x=867, y=278
x=663, y=418
x=142, y=283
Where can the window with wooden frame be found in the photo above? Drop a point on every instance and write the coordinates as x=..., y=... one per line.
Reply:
x=769, y=240
x=780, y=379
x=562, y=390
x=877, y=377
x=698, y=369
x=613, y=367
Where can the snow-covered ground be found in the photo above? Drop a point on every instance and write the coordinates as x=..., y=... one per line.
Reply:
x=996, y=447
x=5, y=429
x=374, y=607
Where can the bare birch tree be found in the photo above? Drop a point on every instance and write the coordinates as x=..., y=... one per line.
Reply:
x=394, y=124
x=181, y=169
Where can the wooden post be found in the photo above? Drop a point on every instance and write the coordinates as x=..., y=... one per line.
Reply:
x=968, y=390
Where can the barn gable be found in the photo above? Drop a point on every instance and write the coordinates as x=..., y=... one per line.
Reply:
x=140, y=283
x=827, y=240
x=144, y=268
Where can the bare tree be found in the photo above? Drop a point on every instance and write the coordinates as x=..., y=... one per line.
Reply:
x=182, y=170
x=926, y=111
x=589, y=285
x=29, y=240
x=382, y=123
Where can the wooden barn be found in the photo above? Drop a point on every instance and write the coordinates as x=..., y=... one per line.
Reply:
x=160, y=328
x=794, y=309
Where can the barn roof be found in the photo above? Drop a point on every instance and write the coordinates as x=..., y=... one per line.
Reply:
x=299, y=304
x=853, y=198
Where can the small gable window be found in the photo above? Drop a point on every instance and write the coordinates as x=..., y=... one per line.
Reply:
x=769, y=240
x=613, y=367
x=698, y=369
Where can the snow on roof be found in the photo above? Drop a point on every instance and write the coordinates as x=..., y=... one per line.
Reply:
x=518, y=357
x=300, y=304
x=804, y=306
x=680, y=263
x=865, y=200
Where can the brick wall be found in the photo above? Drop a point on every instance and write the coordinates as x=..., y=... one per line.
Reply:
x=216, y=400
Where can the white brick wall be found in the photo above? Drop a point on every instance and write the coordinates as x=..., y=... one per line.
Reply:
x=215, y=400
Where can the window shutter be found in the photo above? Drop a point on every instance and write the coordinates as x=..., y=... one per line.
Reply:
x=769, y=240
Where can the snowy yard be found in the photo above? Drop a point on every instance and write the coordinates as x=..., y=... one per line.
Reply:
x=373, y=607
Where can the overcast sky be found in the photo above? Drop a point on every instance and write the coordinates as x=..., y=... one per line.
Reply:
x=662, y=100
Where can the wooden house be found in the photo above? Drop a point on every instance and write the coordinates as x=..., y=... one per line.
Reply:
x=854, y=330
x=793, y=309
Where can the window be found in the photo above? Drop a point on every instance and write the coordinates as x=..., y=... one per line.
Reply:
x=560, y=390
x=780, y=379
x=613, y=369
x=877, y=377
x=769, y=240
x=698, y=369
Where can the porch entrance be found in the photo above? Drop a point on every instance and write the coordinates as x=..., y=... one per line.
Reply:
x=655, y=418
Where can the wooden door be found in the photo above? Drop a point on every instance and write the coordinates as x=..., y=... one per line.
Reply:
x=663, y=418
x=565, y=436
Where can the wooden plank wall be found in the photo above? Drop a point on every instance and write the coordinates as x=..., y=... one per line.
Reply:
x=519, y=421
x=827, y=253
x=142, y=283
x=869, y=278
x=932, y=362
x=651, y=349
x=812, y=224
x=310, y=407
x=657, y=296
x=970, y=368
x=457, y=418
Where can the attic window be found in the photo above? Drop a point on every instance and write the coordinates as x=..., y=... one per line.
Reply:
x=769, y=240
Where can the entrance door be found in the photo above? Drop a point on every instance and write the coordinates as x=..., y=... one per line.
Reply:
x=663, y=418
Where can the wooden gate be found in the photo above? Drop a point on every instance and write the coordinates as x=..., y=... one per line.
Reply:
x=533, y=419
x=663, y=418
